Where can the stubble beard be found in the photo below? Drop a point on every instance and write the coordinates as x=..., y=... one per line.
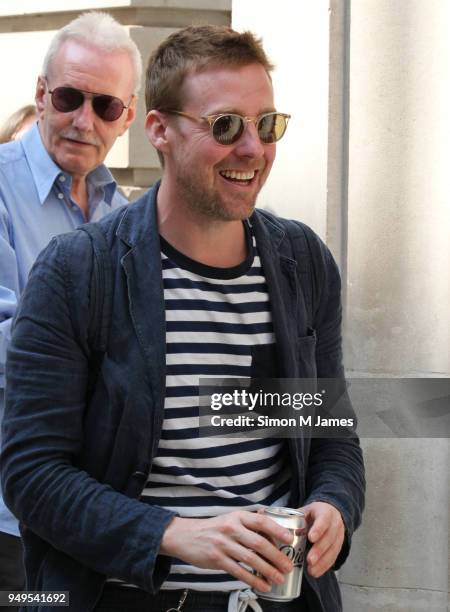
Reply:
x=209, y=204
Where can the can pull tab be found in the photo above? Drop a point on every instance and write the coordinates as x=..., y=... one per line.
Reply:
x=180, y=603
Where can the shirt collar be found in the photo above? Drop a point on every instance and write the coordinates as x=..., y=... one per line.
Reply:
x=45, y=171
x=102, y=178
x=43, y=168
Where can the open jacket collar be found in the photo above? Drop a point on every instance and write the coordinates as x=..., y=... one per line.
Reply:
x=142, y=264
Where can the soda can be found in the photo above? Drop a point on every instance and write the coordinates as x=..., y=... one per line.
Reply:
x=295, y=522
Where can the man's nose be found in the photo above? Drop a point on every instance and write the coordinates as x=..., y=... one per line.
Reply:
x=249, y=144
x=83, y=118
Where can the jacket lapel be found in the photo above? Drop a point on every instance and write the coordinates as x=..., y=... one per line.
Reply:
x=280, y=271
x=142, y=267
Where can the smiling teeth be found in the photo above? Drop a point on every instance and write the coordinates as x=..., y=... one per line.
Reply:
x=239, y=176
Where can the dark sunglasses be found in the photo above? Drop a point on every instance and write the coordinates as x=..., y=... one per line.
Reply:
x=68, y=99
x=227, y=128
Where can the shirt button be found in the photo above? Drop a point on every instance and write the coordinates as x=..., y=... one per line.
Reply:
x=60, y=196
x=62, y=178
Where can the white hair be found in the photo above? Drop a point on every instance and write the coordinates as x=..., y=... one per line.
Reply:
x=101, y=31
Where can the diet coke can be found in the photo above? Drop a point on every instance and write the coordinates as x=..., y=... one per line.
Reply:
x=295, y=522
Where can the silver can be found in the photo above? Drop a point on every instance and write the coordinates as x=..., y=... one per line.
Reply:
x=295, y=522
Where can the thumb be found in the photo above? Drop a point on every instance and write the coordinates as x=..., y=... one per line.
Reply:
x=309, y=512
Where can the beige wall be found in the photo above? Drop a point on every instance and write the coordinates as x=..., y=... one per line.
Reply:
x=398, y=204
x=398, y=294
x=295, y=36
x=19, y=68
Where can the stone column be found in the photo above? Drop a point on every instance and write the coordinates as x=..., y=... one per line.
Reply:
x=295, y=35
x=397, y=289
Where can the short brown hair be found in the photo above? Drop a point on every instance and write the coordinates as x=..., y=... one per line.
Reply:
x=194, y=49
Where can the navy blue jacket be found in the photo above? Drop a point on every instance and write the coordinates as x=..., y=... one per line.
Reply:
x=77, y=452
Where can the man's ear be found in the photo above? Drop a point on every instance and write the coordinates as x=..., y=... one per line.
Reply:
x=156, y=129
x=130, y=115
x=40, y=95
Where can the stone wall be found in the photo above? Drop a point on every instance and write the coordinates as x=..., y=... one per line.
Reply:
x=397, y=288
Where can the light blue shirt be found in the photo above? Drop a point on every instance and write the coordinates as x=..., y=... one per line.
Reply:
x=35, y=205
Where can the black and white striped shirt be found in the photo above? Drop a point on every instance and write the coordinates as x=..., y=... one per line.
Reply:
x=218, y=324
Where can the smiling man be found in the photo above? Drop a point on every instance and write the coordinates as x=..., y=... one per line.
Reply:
x=53, y=179
x=144, y=514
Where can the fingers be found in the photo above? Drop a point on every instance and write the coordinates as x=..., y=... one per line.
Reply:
x=260, y=523
x=247, y=542
x=266, y=553
x=326, y=534
x=255, y=582
x=319, y=528
x=321, y=561
x=268, y=575
x=263, y=536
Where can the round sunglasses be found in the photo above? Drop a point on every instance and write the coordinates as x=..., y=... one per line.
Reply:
x=227, y=128
x=68, y=99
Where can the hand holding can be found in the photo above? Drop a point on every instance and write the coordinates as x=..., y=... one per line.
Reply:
x=295, y=522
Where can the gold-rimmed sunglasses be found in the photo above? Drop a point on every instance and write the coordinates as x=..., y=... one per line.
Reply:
x=227, y=128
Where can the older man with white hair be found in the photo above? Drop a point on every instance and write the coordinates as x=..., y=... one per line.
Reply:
x=54, y=178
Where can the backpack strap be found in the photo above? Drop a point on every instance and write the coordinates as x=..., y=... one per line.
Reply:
x=100, y=304
x=101, y=288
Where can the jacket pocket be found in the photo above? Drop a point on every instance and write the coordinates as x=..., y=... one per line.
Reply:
x=306, y=355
